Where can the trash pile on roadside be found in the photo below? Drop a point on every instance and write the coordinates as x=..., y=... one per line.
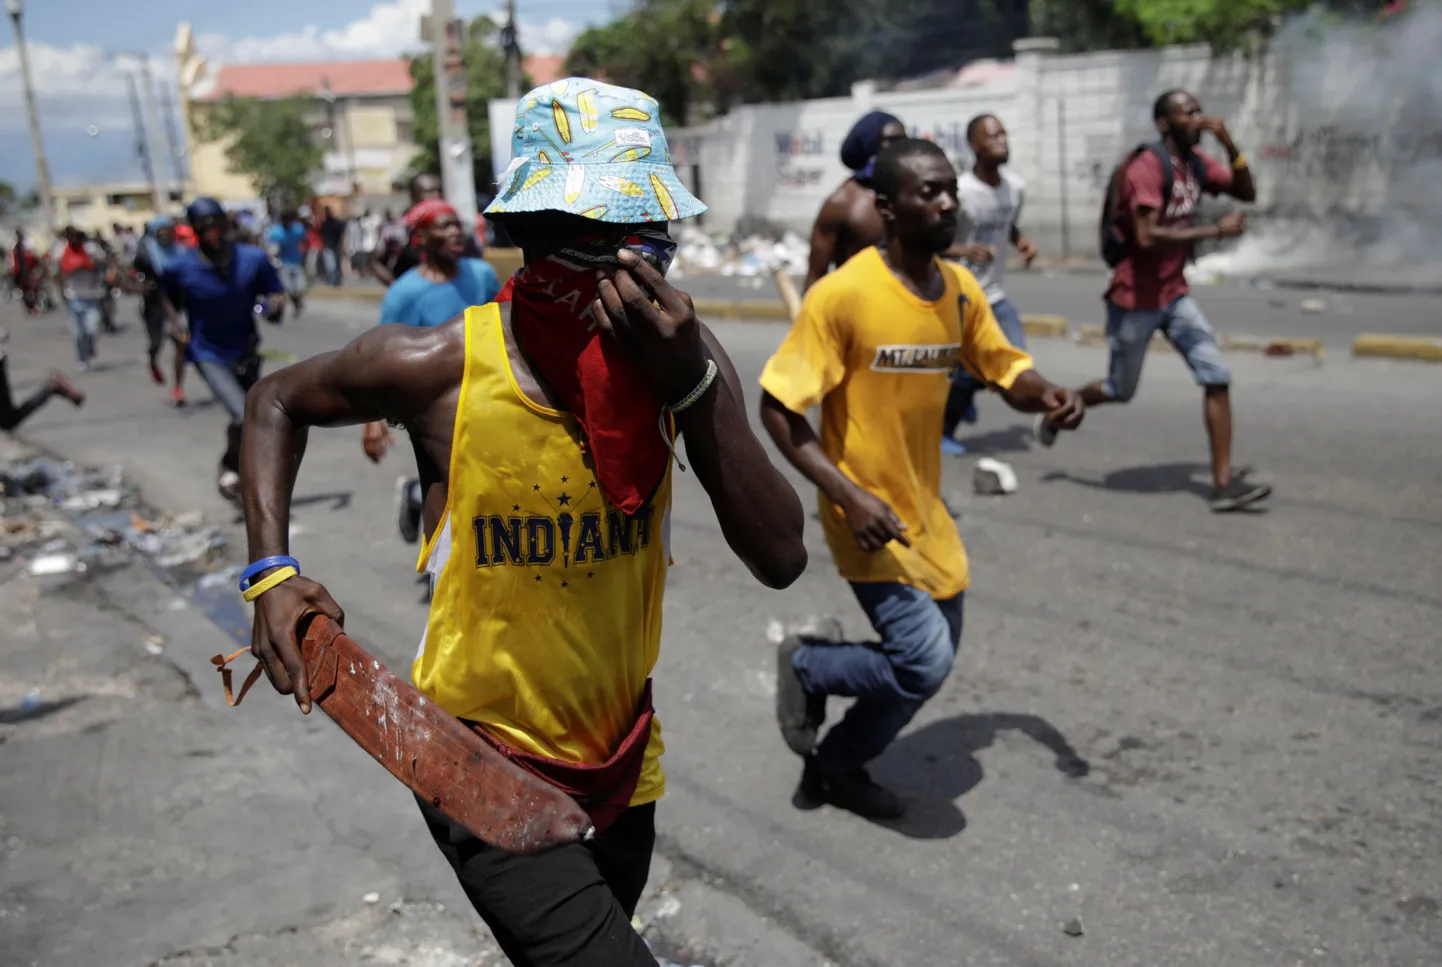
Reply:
x=739, y=255
x=107, y=511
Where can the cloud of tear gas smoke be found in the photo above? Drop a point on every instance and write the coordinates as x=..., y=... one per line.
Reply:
x=1346, y=147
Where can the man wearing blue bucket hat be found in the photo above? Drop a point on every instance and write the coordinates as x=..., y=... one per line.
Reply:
x=543, y=427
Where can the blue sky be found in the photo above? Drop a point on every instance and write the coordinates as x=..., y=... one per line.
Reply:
x=84, y=110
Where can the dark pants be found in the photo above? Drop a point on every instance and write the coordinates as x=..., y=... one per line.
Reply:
x=11, y=415
x=230, y=381
x=569, y=906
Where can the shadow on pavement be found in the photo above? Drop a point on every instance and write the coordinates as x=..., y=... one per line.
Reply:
x=1016, y=438
x=26, y=713
x=936, y=765
x=1160, y=478
x=340, y=500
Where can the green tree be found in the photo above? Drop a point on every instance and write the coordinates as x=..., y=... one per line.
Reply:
x=9, y=198
x=671, y=49
x=1225, y=24
x=485, y=81
x=269, y=141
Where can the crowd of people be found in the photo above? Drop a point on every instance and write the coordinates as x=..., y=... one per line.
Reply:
x=545, y=414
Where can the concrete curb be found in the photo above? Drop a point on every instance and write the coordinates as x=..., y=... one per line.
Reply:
x=1279, y=347
x=749, y=310
x=1384, y=346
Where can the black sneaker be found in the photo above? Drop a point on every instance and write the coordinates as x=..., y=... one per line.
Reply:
x=1238, y=493
x=798, y=712
x=408, y=513
x=853, y=791
x=1043, y=430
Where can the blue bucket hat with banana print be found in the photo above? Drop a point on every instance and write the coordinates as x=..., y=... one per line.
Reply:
x=592, y=149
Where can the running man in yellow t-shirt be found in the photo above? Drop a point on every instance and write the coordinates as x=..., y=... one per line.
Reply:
x=874, y=345
x=546, y=504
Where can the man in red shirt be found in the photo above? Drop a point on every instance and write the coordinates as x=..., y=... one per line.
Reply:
x=1148, y=291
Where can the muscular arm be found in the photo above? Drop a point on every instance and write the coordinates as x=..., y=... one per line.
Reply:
x=1150, y=235
x=794, y=437
x=824, y=235
x=390, y=372
x=1029, y=393
x=759, y=512
x=1241, y=187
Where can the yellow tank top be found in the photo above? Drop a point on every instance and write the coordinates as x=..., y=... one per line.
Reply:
x=545, y=620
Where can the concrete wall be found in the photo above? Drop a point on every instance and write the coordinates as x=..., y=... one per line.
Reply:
x=1342, y=126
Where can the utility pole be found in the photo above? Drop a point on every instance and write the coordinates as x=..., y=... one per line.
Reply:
x=167, y=110
x=16, y=9
x=142, y=146
x=458, y=170
x=159, y=197
x=511, y=44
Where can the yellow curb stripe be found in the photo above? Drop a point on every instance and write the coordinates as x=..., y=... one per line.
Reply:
x=1385, y=346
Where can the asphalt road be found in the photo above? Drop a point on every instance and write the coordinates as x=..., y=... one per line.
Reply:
x=1231, y=307
x=1256, y=696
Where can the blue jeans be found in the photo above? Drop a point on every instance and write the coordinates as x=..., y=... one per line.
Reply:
x=1129, y=333
x=965, y=386
x=890, y=679
x=230, y=381
x=84, y=327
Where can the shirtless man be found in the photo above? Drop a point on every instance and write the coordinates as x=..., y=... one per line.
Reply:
x=848, y=221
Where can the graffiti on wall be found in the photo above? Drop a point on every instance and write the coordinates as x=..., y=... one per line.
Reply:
x=1335, y=154
x=800, y=158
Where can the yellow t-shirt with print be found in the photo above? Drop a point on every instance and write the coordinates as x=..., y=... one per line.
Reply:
x=878, y=359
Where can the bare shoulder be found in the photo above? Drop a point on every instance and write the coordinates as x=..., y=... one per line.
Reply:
x=416, y=361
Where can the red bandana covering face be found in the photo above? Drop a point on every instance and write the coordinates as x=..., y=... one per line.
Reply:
x=615, y=403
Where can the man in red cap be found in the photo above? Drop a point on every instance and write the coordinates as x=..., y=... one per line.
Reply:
x=424, y=188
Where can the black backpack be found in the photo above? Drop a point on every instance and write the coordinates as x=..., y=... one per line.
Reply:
x=1113, y=242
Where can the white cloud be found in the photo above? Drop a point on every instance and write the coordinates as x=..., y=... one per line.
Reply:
x=79, y=87
x=389, y=30
x=75, y=87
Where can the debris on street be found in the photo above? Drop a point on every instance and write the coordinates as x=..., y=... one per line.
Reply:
x=747, y=256
x=107, y=511
x=992, y=476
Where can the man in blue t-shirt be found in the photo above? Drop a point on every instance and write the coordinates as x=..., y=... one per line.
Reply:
x=286, y=240
x=222, y=286
x=442, y=287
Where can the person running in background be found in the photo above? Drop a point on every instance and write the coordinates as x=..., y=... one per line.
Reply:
x=13, y=414
x=26, y=271
x=83, y=269
x=221, y=286
x=157, y=249
x=987, y=223
x=874, y=345
x=332, y=240
x=443, y=287
x=848, y=221
x=286, y=242
x=1149, y=292
x=424, y=187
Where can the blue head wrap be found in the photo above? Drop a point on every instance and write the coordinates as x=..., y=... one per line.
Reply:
x=863, y=141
